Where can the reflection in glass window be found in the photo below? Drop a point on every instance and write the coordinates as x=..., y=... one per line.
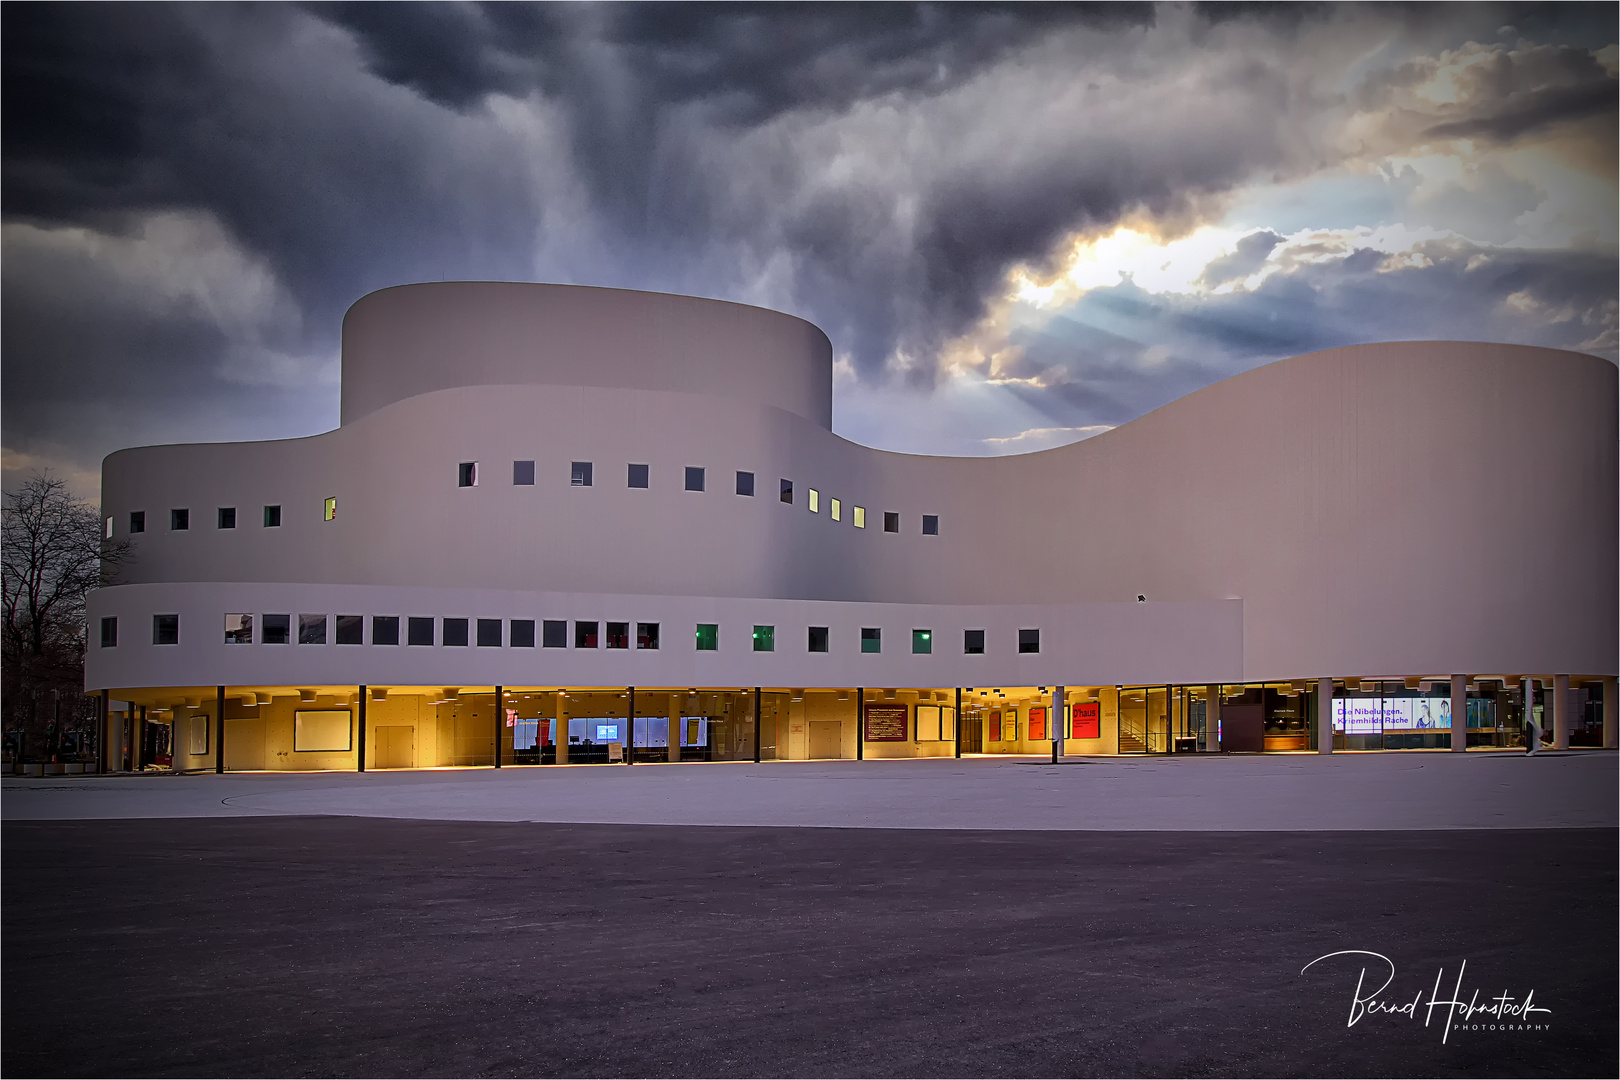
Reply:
x=312, y=629
x=238, y=629
x=165, y=629
x=179, y=520
x=764, y=639
x=745, y=483
x=787, y=491
x=277, y=630
x=351, y=629
x=708, y=636
x=467, y=474
x=930, y=524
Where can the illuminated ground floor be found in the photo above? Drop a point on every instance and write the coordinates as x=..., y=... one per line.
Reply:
x=231, y=728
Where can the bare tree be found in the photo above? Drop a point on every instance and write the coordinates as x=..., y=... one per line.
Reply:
x=52, y=553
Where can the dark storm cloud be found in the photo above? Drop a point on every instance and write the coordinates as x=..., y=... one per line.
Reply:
x=1249, y=255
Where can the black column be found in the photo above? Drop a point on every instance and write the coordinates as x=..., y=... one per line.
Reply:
x=137, y=742
x=360, y=737
x=958, y=721
x=101, y=737
x=500, y=721
x=759, y=722
x=860, y=723
x=219, y=743
x=630, y=728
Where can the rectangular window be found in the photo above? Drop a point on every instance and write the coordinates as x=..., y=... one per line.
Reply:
x=418, y=630
x=764, y=639
x=584, y=635
x=891, y=521
x=708, y=637
x=638, y=476
x=922, y=642
x=522, y=634
x=179, y=520
x=312, y=629
x=238, y=629
x=745, y=483
x=815, y=501
x=106, y=531
x=694, y=478
x=523, y=474
x=646, y=635
x=385, y=629
x=787, y=491
x=467, y=474
x=554, y=634
x=1029, y=641
x=165, y=629
x=580, y=476
x=859, y=517
x=351, y=629
x=277, y=630
x=871, y=639
x=454, y=633
x=489, y=633
x=109, y=631
x=137, y=521
x=837, y=510
x=330, y=513
x=930, y=524
x=618, y=635
x=818, y=639
x=973, y=642
x=272, y=517
x=227, y=517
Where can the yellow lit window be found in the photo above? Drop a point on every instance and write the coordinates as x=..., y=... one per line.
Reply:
x=860, y=517
x=815, y=501
x=331, y=509
x=836, y=507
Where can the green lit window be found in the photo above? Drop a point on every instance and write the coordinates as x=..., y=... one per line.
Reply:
x=922, y=641
x=871, y=639
x=764, y=639
x=708, y=636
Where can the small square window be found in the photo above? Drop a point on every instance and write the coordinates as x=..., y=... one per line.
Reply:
x=165, y=629
x=818, y=639
x=859, y=517
x=1029, y=641
x=351, y=629
x=137, y=521
x=973, y=642
x=523, y=474
x=891, y=521
x=277, y=630
x=330, y=513
x=227, y=517
x=489, y=633
x=764, y=639
x=312, y=629
x=272, y=517
x=922, y=642
x=454, y=633
x=554, y=634
x=618, y=635
x=109, y=631
x=580, y=476
x=179, y=520
x=638, y=476
x=106, y=530
x=745, y=483
x=385, y=629
x=930, y=524
x=584, y=635
x=787, y=491
x=708, y=637
x=522, y=633
x=837, y=510
x=238, y=629
x=871, y=639
x=418, y=630
x=815, y=500
x=646, y=635
x=694, y=478
x=467, y=474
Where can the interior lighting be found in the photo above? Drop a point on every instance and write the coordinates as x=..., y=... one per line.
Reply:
x=306, y=696
x=379, y=693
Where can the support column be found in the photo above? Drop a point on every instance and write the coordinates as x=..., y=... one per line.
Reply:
x=559, y=738
x=674, y=711
x=759, y=723
x=1561, y=712
x=360, y=733
x=1058, y=721
x=219, y=718
x=860, y=723
x=630, y=728
x=1324, y=716
x=1532, y=730
x=1609, y=733
x=101, y=732
x=1459, y=713
x=1606, y=694
x=1212, y=719
x=137, y=739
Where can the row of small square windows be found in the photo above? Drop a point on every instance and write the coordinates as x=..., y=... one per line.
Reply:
x=419, y=630
x=582, y=474
x=180, y=518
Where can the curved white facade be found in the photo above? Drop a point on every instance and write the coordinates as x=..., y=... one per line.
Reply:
x=1409, y=509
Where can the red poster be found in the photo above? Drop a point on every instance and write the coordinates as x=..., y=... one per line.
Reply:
x=888, y=723
x=995, y=725
x=1037, y=723
x=1087, y=721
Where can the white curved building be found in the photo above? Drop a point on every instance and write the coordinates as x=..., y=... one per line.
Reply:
x=559, y=520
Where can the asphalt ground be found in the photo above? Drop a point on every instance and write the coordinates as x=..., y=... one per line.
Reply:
x=351, y=946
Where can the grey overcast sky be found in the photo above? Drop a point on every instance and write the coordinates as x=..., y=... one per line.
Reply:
x=1019, y=225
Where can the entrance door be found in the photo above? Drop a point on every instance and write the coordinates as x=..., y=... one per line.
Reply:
x=396, y=747
x=826, y=739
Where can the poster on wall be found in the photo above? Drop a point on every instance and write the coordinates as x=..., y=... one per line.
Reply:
x=1037, y=722
x=887, y=723
x=197, y=727
x=1369, y=716
x=928, y=725
x=1087, y=720
x=322, y=730
x=995, y=725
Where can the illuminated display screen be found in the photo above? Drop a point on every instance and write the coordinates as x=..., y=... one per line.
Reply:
x=607, y=732
x=1369, y=716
